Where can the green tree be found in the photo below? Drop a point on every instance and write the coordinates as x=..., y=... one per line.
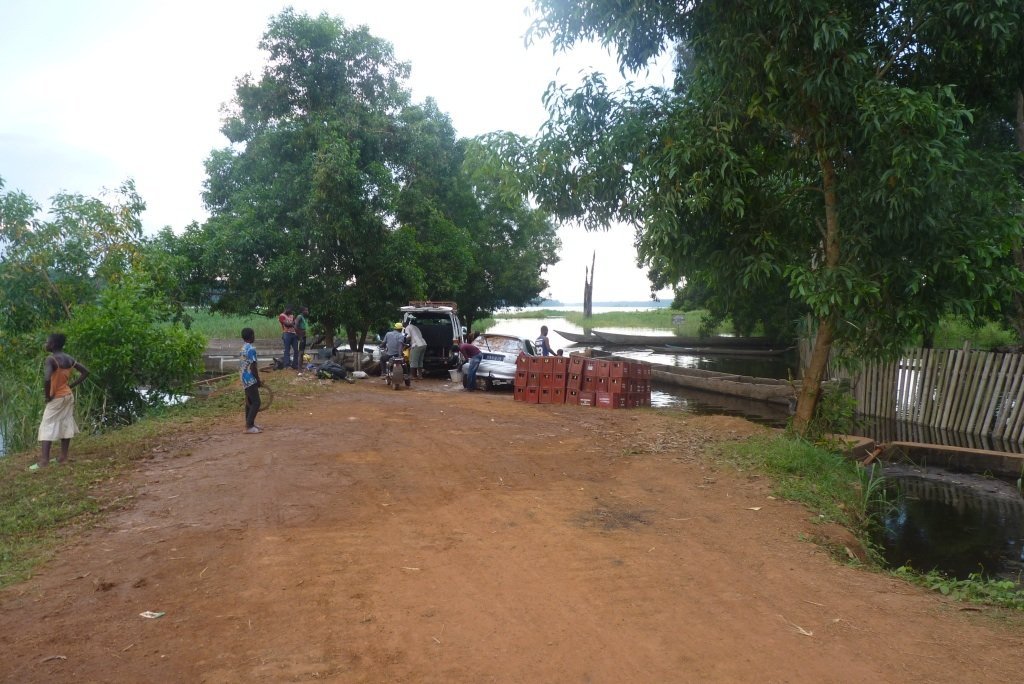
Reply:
x=795, y=153
x=84, y=270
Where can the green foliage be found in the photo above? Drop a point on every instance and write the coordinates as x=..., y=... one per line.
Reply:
x=87, y=272
x=136, y=361
x=340, y=194
x=809, y=158
x=952, y=332
x=974, y=589
x=835, y=414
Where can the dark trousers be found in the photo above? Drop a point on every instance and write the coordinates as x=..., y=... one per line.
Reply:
x=302, y=349
x=291, y=344
x=252, y=404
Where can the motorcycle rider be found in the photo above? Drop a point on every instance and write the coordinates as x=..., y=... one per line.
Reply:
x=393, y=344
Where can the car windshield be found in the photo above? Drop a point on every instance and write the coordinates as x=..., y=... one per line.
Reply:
x=505, y=345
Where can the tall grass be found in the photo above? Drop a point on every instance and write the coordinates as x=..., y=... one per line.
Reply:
x=21, y=403
x=953, y=332
x=225, y=326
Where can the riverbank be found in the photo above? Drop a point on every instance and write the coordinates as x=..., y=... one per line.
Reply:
x=435, y=535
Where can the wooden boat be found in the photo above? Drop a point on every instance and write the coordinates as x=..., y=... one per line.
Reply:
x=675, y=340
x=721, y=351
x=772, y=390
x=580, y=338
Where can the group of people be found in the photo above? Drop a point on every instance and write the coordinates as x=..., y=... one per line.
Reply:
x=293, y=336
x=396, y=340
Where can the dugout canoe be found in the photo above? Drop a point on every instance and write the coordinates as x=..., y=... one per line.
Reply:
x=580, y=338
x=771, y=390
x=677, y=341
x=720, y=351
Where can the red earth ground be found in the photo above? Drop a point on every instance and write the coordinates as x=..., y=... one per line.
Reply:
x=434, y=535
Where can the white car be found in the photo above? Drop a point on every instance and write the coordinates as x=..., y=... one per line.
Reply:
x=499, y=354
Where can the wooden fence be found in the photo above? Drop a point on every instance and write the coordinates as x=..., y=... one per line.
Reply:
x=959, y=390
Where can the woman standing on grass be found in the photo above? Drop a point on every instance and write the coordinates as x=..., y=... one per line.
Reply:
x=59, y=415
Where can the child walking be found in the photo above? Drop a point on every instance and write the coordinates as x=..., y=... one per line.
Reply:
x=250, y=381
x=59, y=415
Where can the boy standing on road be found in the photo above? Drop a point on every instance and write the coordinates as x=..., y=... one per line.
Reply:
x=250, y=374
x=59, y=415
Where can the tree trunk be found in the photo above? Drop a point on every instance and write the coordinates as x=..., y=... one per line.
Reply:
x=810, y=388
x=1018, y=251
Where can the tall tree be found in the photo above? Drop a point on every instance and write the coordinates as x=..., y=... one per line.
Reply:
x=302, y=202
x=794, y=153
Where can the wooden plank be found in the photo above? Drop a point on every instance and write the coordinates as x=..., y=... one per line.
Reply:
x=1013, y=432
x=995, y=394
x=930, y=400
x=970, y=390
x=955, y=358
x=983, y=385
x=964, y=392
x=1011, y=404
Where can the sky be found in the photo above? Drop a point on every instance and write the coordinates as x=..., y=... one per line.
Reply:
x=94, y=93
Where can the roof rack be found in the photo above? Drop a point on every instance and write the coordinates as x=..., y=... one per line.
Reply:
x=427, y=304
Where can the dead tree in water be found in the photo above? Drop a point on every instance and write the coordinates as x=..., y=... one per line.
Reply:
x=588, y=288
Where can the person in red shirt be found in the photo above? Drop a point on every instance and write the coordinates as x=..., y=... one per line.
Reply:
x=289, y=339
x=471, y=353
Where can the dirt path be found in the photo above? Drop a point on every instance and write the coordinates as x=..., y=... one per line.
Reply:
x=440, y=536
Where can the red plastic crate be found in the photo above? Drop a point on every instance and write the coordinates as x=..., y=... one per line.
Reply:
x=610, y=400
x=585, y=398
x=544, y=396
x=545, y=380
x=588, y=384
x=536, y=364
x=557, y=395
x=559, y=379
x=601, y=384
x=618, y=369
x=576, y=364
x=619, y=385
x=572, y=396
x=590, y=368
x=574, y=381
x=522, y=378
x=532, y=395
x=523, y=361
x=519, y=393
x=560, y=363
x=532, y=379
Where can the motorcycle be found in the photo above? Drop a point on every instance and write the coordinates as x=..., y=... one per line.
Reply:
x=397, y=370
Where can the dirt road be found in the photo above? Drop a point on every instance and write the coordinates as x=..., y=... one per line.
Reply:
x=434, y=535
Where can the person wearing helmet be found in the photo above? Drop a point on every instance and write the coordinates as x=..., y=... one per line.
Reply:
x=393, y=343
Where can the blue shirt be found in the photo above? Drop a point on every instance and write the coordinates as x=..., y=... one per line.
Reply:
x=246, y=363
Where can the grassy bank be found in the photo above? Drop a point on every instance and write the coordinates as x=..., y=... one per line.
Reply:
x=655, y=319
x=40, y=508
x=229, y=327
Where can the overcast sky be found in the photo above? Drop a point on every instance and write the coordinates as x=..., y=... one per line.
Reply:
x=95, y=92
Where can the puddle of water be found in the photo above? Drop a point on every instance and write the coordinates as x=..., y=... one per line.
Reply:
x=955, y=523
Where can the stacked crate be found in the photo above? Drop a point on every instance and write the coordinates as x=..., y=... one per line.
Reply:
x=606, y=383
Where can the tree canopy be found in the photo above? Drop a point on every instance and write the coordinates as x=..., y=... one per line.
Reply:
x=817, y=154
x=338, y=192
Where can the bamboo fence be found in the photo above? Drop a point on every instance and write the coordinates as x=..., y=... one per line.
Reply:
x=956, y=390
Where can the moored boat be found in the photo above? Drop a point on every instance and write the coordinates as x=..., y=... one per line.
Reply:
x=580, y=338
x=721, y=351
x=772, y=390
x=675, y=340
